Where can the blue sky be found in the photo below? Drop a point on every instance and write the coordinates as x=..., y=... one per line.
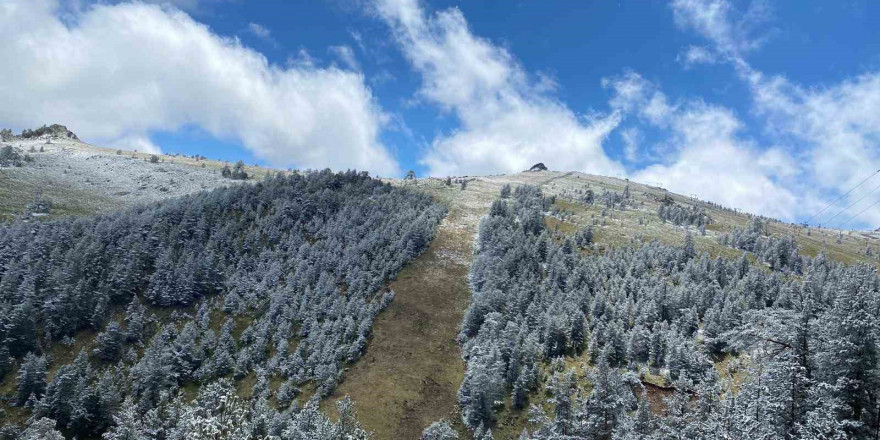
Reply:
x=769, y=107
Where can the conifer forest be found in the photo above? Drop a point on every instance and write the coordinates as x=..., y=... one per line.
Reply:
x=439, y=220
x=235, y=314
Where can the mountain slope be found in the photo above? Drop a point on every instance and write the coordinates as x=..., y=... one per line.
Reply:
x=272, y=287
x=384, y=399
x=412, y=369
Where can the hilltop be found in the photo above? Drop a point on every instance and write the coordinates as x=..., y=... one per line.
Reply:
x=79, y=178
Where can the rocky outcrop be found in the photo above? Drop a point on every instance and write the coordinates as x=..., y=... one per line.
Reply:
x=538, y=167
x=52, y=131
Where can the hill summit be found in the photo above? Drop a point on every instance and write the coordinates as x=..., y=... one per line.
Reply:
x=53, y=131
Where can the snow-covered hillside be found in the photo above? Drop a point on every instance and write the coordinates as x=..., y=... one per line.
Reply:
x=79, y=178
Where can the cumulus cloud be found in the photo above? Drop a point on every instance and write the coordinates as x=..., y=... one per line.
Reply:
x=839, y=125
x=709, y=157
x=122, y=71
x=716, y=163
x=508, y=120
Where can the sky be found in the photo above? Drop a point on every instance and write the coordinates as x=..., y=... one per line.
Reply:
x=768, y=107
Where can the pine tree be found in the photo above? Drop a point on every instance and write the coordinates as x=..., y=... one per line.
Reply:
x=42, y=429
x=477, y=395
x=441, y=430
x=31, y=378
x=110, y=343
x=608, y=402
x=127, y=425
x=688, y=252
x=135, y=321
x=850, y=355
x=505, y=191
x=640, y=424
x=5, y=361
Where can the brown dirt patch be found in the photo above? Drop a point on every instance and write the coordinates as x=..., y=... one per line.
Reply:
x=412, y=369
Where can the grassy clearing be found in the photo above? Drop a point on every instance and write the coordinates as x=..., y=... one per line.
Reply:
x=412, y=368
x=16, y=191
x=621, y=226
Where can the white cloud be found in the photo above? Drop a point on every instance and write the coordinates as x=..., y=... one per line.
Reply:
x=634, y=94
x=262, y=32
x=631, y=137
x=778, y=162
x=259, y=30
x=708, y=18
x=303, y=60
x=731, y=31
x=657, y=110
x=514, y=141
x=186, y=5
x=715, y=163
x=346, y=56
x=838, y=126
x=704, y=153
x=127, y=70
x=508, y=121
x=629, y=89
x=382, y=77
x=135, y=143
x=697, y=55
x=358, y=39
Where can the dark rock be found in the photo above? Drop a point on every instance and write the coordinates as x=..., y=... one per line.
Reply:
x=538, y=167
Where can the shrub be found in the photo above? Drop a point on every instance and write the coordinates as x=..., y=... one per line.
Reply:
x=236, y=173
x=9, y=157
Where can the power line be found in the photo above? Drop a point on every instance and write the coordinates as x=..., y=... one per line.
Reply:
x=860, y=213
x=842, y=196
x=853, y=204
